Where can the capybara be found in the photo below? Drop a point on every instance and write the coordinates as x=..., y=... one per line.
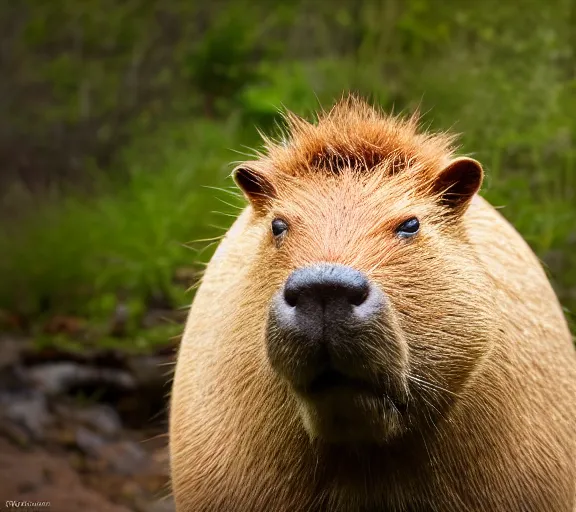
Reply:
x=372, y=335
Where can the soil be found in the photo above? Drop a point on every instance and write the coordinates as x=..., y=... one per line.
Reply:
x=83, y=432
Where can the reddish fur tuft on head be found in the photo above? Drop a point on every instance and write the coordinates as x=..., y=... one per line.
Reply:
x=354, y=135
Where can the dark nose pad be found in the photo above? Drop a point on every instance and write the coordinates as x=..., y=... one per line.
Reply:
x=325, y=300
x=326, y=284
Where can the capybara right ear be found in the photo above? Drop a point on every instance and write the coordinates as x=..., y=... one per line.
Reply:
x=457, y=183
x=254, y=183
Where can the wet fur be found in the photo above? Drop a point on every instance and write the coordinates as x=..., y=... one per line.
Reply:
x=491, y=366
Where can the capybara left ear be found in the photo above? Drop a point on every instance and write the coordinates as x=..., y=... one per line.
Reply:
x=457, y=183
x=254, y=184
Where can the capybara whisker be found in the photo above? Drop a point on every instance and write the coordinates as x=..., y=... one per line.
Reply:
x=429, y=385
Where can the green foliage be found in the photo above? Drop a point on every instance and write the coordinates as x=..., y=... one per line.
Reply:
x=195, y=81
x=75, y=252
x=221, y=65
x=140, y=341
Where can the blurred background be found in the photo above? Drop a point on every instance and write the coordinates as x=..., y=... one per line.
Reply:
x=118, y=123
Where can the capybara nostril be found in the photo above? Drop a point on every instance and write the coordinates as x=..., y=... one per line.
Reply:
x=326, y=283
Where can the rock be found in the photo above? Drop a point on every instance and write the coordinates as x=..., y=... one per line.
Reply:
x=58, y=378
x=28, y=410
x=123, y=457
x=13, y=380
x=100, y=418
x=87, y=460
x=24, y=411
x=91, y=356
x=89, y=443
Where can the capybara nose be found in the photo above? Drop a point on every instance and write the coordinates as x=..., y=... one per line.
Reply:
x=321, y=301
x=326, y=286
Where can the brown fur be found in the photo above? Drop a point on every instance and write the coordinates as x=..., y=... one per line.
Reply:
x=489, y=360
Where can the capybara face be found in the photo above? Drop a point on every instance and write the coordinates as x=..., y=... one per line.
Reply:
x=375, y=317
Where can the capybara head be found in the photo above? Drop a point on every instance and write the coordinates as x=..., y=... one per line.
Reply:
x=378, y=312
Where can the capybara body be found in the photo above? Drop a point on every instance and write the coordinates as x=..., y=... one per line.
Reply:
x=372, y=335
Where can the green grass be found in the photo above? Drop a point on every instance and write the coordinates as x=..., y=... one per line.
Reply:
x=486, y=71
x=140, y=341
x=72, y=254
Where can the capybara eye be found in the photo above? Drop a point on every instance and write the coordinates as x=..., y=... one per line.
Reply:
x=408, y=228
x=279, y=227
